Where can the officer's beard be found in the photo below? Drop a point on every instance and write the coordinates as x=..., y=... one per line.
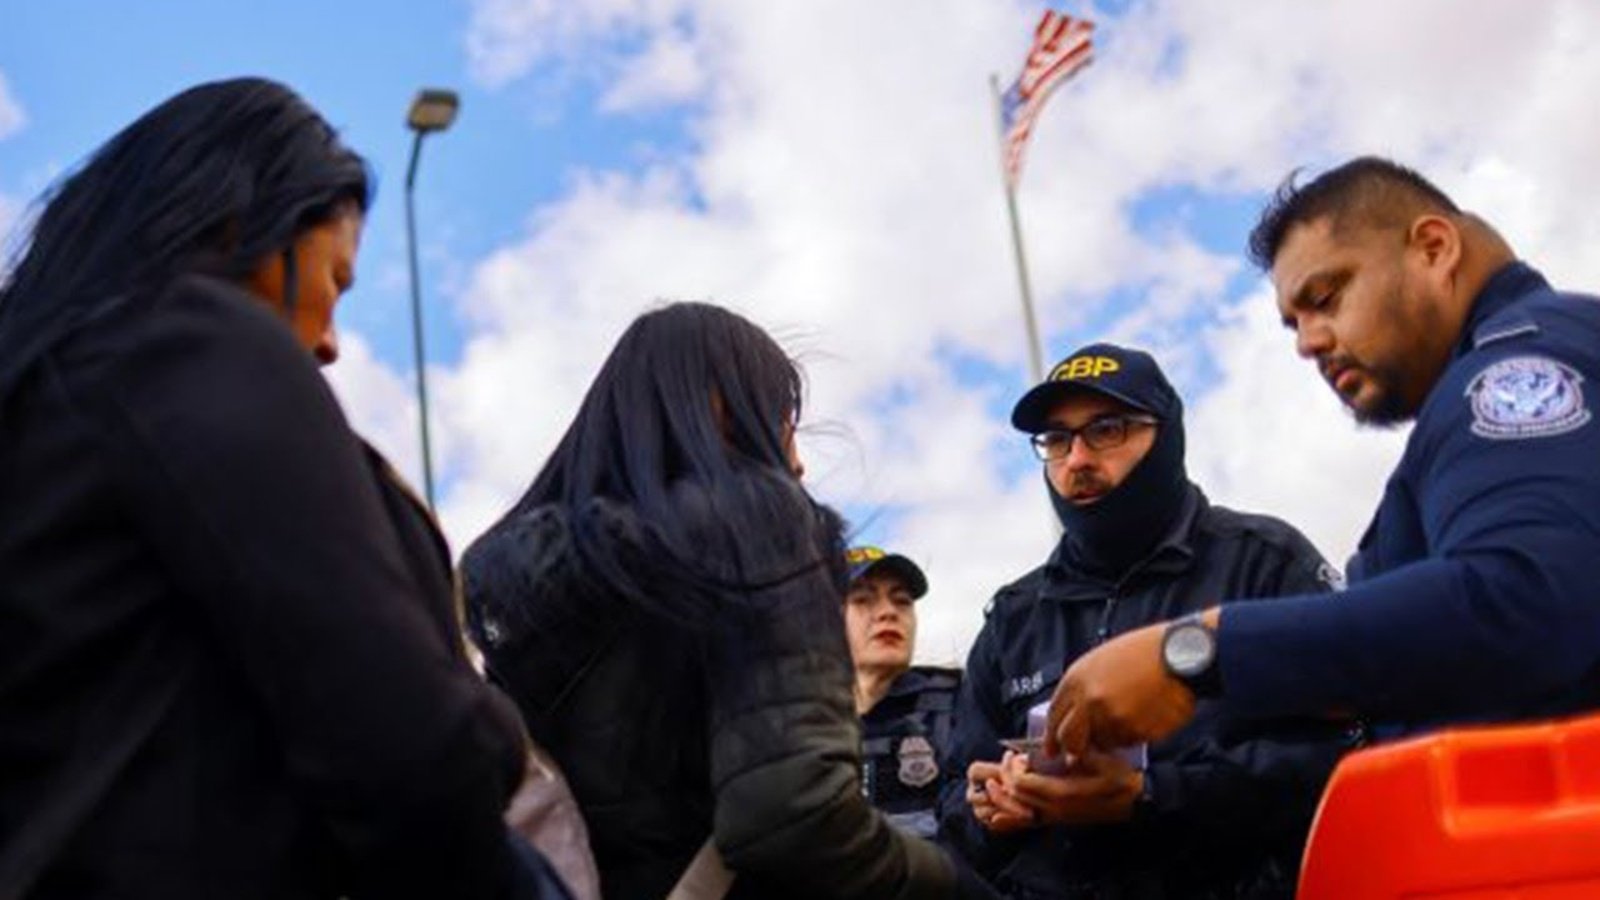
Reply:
x=1107, y=537
x=1387, y=406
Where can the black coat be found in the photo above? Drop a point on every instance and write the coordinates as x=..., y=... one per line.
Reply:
x=671, y=731
x=1231, y=800
x=229, y=661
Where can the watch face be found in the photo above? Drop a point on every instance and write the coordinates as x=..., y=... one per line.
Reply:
x=1188, y=649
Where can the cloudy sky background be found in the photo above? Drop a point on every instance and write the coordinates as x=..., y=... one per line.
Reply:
x=830, y=169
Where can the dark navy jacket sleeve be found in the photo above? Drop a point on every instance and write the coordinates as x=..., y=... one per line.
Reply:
x=1254, y=782
x=1502, y=610
x=975, y=736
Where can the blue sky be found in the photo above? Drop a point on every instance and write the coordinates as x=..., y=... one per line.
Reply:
x=828, y=167
x=511, y=149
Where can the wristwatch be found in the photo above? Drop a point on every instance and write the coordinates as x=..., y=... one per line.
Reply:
x=1189, y=651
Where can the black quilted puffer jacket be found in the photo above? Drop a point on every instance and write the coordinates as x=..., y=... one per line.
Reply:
x=677, y=716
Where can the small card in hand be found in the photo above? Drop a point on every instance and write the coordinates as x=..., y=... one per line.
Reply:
x=1033, y=748
x=1023, y=745
x=1137, y=756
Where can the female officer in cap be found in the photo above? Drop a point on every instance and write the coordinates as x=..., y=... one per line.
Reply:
x=905, y=710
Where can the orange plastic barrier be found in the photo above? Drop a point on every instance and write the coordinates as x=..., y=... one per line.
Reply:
x=1504, y=813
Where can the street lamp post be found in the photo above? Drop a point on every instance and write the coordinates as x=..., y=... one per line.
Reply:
x=432, y=110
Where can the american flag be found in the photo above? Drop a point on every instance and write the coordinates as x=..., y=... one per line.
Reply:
x=1060, y=48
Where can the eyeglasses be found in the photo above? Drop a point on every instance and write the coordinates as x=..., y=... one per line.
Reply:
x=1101, y=434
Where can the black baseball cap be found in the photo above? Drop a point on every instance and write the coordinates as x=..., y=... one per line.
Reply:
x=1123, y=374
x=863, y=560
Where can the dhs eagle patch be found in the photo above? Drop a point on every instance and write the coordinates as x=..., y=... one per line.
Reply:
x=1526, y=397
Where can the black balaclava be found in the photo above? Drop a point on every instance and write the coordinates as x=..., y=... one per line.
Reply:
x=1109, y=536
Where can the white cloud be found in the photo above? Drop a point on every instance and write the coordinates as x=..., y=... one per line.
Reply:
x=381, y=405
x=506, y=38
x=12, y=116
x=843, y=190
x=668, y=72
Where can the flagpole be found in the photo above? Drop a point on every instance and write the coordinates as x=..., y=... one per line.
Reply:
x=1035, y=348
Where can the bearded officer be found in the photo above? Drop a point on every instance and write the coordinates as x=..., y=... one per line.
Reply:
x=1472, y=595
x=1219, y=810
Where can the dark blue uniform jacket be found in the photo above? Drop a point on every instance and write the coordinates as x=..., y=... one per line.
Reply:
x=1476, y=591
x=1230, y=800
x=902, y=738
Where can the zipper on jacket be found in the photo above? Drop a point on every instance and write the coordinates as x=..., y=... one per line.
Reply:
x=1104, y=630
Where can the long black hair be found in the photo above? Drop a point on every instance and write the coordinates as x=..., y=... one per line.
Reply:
x=689, y=390
x=674, y=475
x=213, y=181
x=668, y=502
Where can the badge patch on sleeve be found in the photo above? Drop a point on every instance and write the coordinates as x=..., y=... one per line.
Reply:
x=1526, y=397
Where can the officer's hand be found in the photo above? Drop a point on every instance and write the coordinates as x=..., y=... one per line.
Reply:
x=1098, y=788
x=989, y=795
x=1117, y=695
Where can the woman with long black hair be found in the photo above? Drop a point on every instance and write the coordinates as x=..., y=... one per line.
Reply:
x=663, y=604
x=230, y=664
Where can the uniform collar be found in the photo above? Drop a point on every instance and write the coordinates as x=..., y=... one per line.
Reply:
x=914, y=680
x=1507, y=287
x=1172, y=555
x=909, y=682
x=905, y=689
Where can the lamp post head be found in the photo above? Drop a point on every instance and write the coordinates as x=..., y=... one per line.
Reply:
x=432, y=110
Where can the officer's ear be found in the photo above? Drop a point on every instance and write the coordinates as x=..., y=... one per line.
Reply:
x=1433, y=246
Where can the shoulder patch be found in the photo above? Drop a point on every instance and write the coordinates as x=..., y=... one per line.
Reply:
x=1526, y=397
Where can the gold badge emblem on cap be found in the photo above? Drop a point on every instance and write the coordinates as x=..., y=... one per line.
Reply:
x=857, y=555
